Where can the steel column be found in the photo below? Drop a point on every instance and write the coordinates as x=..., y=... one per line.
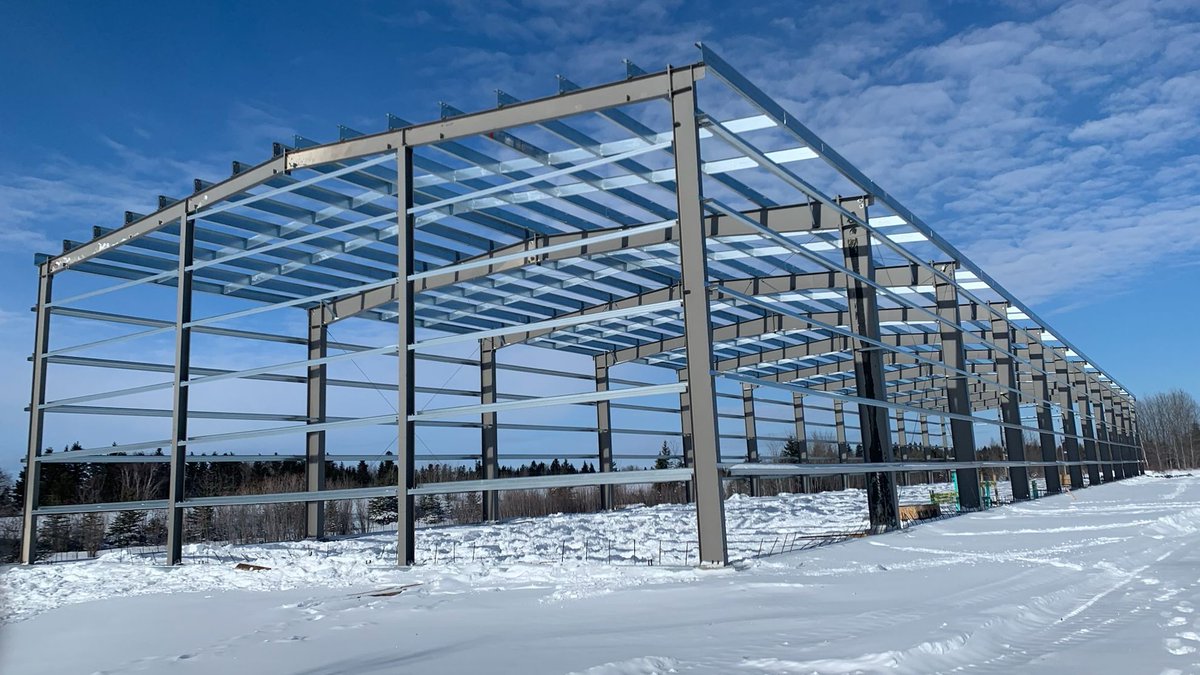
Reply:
x=693, y=259
x=1045, y=416
x=1010, y=406
x=406, y=552
x=604, y=434
x=489, y=434
x=33, y=467
x=685, y=426
x=1104, y=450
x=751, y=433
x=957, y=401
x=801, y=435
x=839, y=429
x=1066, y=406
x=179, y=414
x=882, y=497
x=1116, y=449
x=925, y=447
x=1087, y=427
x=901, y=444
x=316, y=382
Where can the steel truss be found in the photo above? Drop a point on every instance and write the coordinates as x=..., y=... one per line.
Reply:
x=602, y=223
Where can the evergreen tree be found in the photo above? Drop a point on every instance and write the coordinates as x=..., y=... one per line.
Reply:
x=201, y=524
x=127, y=529
x=792, y=452
x=663, y=461
x=54, y=535
x=433, y=511
x=91, y=533
x=382, y=510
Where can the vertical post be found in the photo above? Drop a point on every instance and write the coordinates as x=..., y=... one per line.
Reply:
x=901, y=445
x=1070, y=429
x=33, y=465
x=1114, y=435
x=1045, y=417
x=1139, y=454
x=839, y=428
x=1010, y=403
x=693, y=259
x=489, y=434
x=1122, y=454
x=801, y=436
x=406, y=551
x=179, y=408
x=604, y=433
x=883, y=502
x=1104, y=450
x=314, y=455
x=958, y=401
x=1086, y=418
x=751, y=433
x=925, y=444
x=685, y=426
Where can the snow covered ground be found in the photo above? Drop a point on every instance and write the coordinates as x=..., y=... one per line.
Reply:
x=1102, y=580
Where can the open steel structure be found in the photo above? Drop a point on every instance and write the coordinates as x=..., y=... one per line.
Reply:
x=713, y=237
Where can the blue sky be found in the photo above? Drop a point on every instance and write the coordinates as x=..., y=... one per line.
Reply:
x=1056, y=144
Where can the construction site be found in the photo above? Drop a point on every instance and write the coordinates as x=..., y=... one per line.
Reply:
x=670, y=259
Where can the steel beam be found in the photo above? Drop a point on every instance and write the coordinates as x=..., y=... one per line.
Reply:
x=37, y=416
x=489, y=434
x=957, y=401
x=693, y=259
x=179, y=407
x=883, y=503
x=1010, y=407
x=406, y=551
x=316, y=383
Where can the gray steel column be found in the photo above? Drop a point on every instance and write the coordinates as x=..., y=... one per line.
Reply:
x=751, y=433
x=314, y=460
x=33, y=466
x=883, y=502
x=1116, y=446
x=801, y=436
x=1010, y=403
x=489, y=434
x=925, y=444
x=604, y=433
x=1104, y=450
x=685, y=426
x=957, y=401
x=1070, y=444
x=1086, y=418
x=693, y=259
x=179, y=408
x=901, y=444
x=839, y=428
x=1139, y=452
x=1045, y=417
x=406, y=550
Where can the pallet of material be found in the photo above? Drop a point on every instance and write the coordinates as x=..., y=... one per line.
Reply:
x=920, y=511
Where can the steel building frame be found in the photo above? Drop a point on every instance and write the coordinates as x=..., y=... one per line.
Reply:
x=711, y=242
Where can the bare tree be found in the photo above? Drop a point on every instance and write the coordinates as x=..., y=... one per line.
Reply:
x=1169, y=424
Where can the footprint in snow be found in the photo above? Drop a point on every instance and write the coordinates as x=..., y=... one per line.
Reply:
x=1176, y=647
